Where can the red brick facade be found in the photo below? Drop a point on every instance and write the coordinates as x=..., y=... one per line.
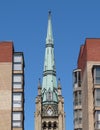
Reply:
x=90, y=51
x=6, y=50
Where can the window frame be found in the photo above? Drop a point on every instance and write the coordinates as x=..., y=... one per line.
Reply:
x=17, y=120
x=97, y=121
x=95, y=76
x=96, y=97
x=18, y=103
x=18, y=62
x=16, y=83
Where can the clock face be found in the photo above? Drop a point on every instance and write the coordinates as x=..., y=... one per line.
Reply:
x=49, y=112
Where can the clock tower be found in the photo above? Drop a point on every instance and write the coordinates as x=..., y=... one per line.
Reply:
x=49, y=113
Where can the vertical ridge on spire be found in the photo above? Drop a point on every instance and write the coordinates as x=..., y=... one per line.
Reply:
x=49, y=84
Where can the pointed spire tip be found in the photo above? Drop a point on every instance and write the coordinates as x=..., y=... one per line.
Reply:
x=49, y=12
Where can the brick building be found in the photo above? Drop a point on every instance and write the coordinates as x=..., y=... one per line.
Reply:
x=11, y=88
x=87, y=87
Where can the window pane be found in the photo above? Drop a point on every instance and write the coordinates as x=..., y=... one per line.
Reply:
x=18, y=58
x=75, y=77
x=16, y=85
x=98, y=115
x=98, y=80
x=97, y=97
x=17, y=119
x=17, y=78
x=17, y=96
x=17, y=66
x=17, y=116
x=17, y=124
x=98, y=72
x=97, y=75
x=98, y=125
x=17, y=99
x=17, y=104
x=97, y=119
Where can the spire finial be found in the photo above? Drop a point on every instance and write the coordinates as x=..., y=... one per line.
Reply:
x=39, y=83
x=49, y=12
x=49, y=38
x=59, y=85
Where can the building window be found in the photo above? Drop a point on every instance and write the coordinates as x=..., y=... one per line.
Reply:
x=18, y=62
x=97, y=97
x=17, y=119
x=77, y=79
x=18, y=59
x=77, y=98
x=97, y=119
x=44, y=125
x=77, y=117
x=49, y=125
x=55, y=125
x=17, y=81
x=17, y=66
x=17, y=99
x=97, y=75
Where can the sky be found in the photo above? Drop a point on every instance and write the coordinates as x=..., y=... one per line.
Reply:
x=25, y=23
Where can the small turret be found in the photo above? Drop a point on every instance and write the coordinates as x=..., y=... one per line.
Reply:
x=39, y=87
x=59, y=88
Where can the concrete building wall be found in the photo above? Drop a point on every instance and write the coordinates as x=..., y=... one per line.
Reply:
x=6, y=87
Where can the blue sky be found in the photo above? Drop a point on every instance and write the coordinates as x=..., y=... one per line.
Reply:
x=25, y=23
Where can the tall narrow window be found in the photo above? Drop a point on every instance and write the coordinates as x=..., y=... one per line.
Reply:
x=44, y=125
x=97, y=97
x=55, y=125
x=97, y=75
x=76, y=98
x=79, y=98
x=77, y=78
x=17, y=119
x=76, y=117
x=80, y=116
x=97, y=119
x=49, y=125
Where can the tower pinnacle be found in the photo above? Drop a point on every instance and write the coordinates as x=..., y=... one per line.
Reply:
x=49, y=85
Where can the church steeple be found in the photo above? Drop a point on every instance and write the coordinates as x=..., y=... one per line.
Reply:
x=49, y=114
x=49, y=84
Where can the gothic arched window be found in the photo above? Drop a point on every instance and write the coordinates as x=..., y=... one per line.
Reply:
x=55, y=125
x=44, y=125
x=49, y=125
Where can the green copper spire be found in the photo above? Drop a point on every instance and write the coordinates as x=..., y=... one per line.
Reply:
x=49, y=85
x=49, y=30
